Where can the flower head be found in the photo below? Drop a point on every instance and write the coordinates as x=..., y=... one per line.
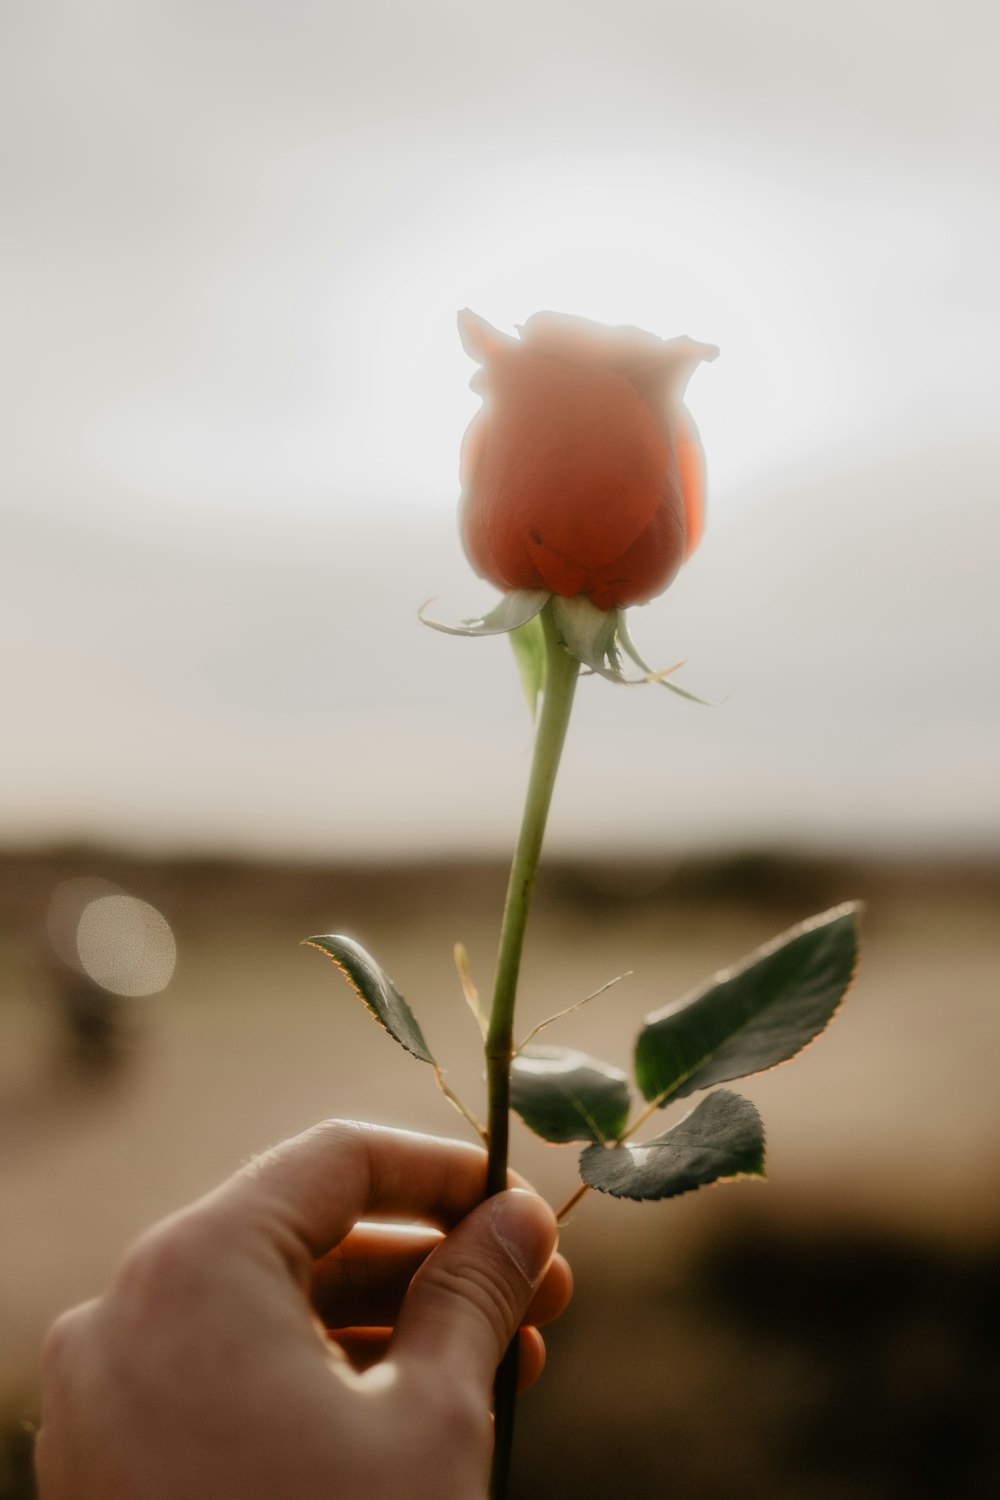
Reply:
x=583, y=473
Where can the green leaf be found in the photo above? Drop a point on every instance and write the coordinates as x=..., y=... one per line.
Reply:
x=722, y=1137
x=528, y=643
x=515, y=609
x=564, y=1095
x=376, y=989
x=760, y=1012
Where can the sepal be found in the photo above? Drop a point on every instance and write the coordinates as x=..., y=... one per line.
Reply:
x=663, y=675
x=528, y=645
x=514, y=610
x=590, y=634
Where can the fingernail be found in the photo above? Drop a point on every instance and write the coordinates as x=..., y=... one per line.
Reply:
x=526, y=1228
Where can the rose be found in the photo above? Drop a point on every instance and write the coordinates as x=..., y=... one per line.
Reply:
x=583, y=472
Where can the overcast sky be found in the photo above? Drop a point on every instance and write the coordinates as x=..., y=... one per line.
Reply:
x=233, y=239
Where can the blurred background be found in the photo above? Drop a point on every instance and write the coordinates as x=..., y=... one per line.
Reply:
x=234, y=240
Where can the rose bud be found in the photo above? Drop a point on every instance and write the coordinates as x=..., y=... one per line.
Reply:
x=583, y=472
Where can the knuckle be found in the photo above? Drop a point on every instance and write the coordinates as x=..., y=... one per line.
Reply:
x=351, y=1143
x=349, y=1134
x=456, y=1408
x=348, y=1130
x=355, y=1143
x=166, y=1264
x=62, y=1339
x=467, y=1418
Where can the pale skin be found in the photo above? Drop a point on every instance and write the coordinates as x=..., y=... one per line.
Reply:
x=276, y=1341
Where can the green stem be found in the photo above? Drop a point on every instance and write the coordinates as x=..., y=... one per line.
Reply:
x=561, y=672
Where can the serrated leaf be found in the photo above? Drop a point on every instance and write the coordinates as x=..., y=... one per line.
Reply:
x=747, y=1018
x=514, y=610
x=564, y=1095
x=528, y=644
x=722, y=1137
x=370, y=981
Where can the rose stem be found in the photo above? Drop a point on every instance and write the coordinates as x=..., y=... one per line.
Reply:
x=561, y=672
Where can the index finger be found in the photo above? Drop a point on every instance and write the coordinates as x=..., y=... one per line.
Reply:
x=317, y=1185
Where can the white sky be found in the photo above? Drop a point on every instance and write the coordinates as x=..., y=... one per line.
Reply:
x=233, y=238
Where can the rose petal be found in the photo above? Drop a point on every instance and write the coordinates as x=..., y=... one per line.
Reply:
x=582, y=474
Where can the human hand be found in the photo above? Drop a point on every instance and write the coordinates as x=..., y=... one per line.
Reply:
x=206, y=1370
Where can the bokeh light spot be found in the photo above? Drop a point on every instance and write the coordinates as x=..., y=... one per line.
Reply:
x=126, y=945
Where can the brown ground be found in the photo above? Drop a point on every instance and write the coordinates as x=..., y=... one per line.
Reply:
x=831, y=1334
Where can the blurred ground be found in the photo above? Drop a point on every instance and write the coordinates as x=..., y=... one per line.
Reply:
x=830, y=1334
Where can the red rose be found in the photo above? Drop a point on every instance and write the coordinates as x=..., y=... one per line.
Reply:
x=583, y=473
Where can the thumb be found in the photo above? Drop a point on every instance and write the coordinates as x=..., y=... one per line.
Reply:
x=470, y=1295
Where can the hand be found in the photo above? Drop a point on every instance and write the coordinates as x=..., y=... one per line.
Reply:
x=208, y=1371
